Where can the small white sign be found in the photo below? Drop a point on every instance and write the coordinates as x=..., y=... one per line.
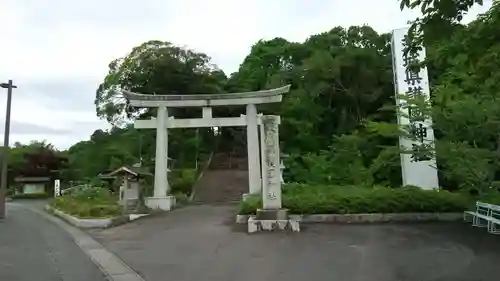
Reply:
x=57, y=188
x=416, y=170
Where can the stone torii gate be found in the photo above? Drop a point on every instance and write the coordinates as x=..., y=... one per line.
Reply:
x=270, y=180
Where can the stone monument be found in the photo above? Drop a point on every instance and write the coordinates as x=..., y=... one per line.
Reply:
x=272, y=216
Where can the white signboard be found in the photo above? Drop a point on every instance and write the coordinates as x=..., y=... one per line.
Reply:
x=57, y=188
x=416, y=170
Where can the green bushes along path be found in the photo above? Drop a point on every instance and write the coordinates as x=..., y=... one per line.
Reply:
x=306, y=199
x=93, y=202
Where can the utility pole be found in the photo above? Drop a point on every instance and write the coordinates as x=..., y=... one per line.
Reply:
x=3, y=187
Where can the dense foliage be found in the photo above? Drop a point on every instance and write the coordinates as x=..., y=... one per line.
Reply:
x=320, y=199
x=338, y=121
x=36, y=159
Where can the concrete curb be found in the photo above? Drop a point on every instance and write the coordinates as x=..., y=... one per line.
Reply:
x=112, y=266
x=368, y=218
x=87, y=223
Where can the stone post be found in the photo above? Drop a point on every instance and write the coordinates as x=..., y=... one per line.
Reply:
x=263, y=164
x=254, y=181
x=272, y=216
x=125, y=195
x=271, y=195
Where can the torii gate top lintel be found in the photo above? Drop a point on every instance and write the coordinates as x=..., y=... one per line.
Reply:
x=205, y=100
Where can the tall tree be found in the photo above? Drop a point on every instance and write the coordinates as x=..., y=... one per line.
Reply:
x=155, y=67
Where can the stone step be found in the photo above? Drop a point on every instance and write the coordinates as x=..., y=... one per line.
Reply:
x=235, y=161
x=220, y=186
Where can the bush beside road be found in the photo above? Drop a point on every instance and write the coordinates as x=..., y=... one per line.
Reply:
x=318, y=199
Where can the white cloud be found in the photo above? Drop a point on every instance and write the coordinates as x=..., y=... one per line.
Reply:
x=73, y=42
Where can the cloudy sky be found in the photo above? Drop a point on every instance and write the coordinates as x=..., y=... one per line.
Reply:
x=57, y=51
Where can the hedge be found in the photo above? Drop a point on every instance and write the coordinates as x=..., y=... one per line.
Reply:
x=306, y=199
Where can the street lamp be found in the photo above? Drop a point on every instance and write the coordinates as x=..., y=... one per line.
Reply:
x=3, y=184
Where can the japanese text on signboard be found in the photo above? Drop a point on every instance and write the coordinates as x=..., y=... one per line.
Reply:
x=413, y=81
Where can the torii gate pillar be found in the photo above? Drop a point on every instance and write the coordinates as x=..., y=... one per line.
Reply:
x=161, y=195
x=254, y=177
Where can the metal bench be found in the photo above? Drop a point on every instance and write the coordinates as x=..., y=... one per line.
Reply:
x=494, y=219
x=486, y=215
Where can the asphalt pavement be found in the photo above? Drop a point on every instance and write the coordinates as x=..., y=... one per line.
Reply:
x=33, y=248
x=201, y=242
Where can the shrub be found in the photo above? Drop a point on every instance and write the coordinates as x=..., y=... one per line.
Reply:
x=92, y=202
x=94, y=194
x=492, y=197
x=308, y=199
x=249, y=206
x=182, y=181
x=181, y=186
x=181, y=198
x=84, y=209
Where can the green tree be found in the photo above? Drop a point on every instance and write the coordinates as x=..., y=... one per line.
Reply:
x=155, y=67
x=339, y=119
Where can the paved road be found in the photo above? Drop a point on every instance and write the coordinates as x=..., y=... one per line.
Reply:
x=32, y=248
x=197, y=243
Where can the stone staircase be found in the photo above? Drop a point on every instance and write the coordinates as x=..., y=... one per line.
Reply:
x=225, y=180
x=229, y=161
